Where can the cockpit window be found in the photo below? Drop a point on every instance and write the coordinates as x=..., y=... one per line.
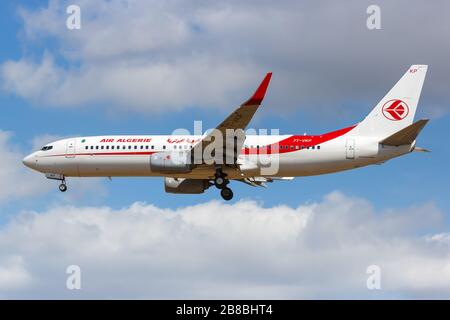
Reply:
x=46, y=148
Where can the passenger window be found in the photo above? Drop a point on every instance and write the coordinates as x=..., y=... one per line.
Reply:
x=86, y=147
x=92, y=147
x=313, y=147
x=96, y=147
x=292, y=147
x=153, y=147
x=129, y=147
x=318, y=147
x=107, y=147
x=135, y=147
x=164, y=147
x=102, y=147
x=112, y=147
x=296, y=147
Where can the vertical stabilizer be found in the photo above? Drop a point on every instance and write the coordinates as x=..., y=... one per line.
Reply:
x=397, y=109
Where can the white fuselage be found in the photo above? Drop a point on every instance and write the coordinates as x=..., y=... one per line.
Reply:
x=191, y=164
x=288, y=156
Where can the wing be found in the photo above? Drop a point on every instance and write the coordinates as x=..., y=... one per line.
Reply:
x=224, y=143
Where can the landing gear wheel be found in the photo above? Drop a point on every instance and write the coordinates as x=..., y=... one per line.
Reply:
x=226, y=194
x=62, y=187
x=220, y=182
x=220, y=179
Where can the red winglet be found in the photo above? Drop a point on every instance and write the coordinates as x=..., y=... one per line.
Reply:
x=259, y=94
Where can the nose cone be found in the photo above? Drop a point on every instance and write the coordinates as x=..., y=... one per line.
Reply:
x=29, y=161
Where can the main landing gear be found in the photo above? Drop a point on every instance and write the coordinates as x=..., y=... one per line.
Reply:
x=221, y=182
x=226, y=193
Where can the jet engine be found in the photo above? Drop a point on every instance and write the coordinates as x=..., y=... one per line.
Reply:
x=186, y=186
x=170, y=162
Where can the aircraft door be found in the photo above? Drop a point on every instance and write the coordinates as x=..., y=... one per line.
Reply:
x=70, y=149
x=350, y=149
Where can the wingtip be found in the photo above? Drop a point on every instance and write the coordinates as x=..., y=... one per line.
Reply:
x=259, y=94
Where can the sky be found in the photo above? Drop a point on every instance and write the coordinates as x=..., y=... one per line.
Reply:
x=150, y=67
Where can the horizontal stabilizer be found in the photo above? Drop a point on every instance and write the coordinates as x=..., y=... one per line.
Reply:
x=405, y=136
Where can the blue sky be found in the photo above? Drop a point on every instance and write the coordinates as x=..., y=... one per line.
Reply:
x=412, y=181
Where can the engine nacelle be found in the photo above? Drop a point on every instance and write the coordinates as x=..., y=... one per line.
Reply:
x=186, y=186
x=170, y=162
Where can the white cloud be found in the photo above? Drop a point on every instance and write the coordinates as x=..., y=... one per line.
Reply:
x=219, y=250
x=16, y=181
x=151, y=56
x=440, y=238
x=13, y=274
x=138, y=86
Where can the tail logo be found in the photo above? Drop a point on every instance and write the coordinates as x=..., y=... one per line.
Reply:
x=395, y=110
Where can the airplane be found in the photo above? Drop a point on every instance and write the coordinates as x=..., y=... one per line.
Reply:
x=190, y=164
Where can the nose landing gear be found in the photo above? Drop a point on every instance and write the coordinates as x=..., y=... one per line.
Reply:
x=58, y=177
x=63, y=187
